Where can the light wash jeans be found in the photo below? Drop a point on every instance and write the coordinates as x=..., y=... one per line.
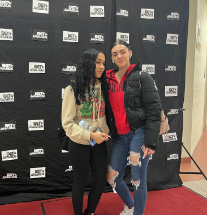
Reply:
x=126, y=145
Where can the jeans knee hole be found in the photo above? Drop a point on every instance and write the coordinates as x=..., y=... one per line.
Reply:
x=112, y=175
x=135, y=183
x=134, y=159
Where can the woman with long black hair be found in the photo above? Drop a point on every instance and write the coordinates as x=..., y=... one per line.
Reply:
x=84, y=121
x=136, y=106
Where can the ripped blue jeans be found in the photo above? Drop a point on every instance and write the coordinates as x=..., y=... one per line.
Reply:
x=127, y=150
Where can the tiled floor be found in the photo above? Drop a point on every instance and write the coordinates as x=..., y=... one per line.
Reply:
x=200, y=156
x=200, y=187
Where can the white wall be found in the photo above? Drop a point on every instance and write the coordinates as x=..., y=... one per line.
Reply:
x=194, y=101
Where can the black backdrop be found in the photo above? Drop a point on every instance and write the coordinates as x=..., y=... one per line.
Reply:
x=148, y=26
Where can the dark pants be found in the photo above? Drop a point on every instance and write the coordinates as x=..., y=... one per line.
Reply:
x=81, y=157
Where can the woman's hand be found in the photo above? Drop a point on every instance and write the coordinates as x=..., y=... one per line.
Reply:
x=147, y=151
x=99, y=137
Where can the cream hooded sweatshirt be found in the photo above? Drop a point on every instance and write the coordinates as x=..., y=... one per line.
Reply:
x=91, y=110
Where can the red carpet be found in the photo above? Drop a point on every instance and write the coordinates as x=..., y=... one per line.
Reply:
x=176, y=201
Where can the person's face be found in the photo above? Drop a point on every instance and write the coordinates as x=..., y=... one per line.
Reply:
x=100, y=65
x=120, y=54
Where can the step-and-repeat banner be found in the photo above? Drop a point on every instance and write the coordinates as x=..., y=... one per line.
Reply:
x=41, y=43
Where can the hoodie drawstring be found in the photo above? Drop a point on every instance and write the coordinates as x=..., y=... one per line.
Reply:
x=98, y=104
x=93, y=109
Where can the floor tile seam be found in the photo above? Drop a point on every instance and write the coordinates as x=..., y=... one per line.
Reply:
x=197, y=182
x=195, y=192
x=196, y=187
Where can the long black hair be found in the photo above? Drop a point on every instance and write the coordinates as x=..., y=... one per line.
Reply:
x=85, y=75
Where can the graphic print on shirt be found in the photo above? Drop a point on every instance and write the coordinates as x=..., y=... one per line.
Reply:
x=87, y=105
x=116, y=87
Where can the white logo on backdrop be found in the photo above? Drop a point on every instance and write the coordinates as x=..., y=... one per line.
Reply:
x=6, y=67
x=97, y=38
x=150, y=68
x=70, y=8
x=171, y=91
x=173, y=111
x=69, y=68
x=36, y=67
x=39, y=172
x=10, y=175
x=122, y=36
x=36, y=125
x=170, y=68
x=69, y=36
x=5, y=4
x=40, y=95
x=6, y=34
x=7, y=97
x=64, y=151
x=123, y=13
x=172, y=39
x=40, y=7
x=96, y=11
x=39, y=35
x=173, y=157
x=70, y=168
x=37, y=152
x=149, y=38
x=173, y=16
x=147, y=13
x=7, y=126
x=171, y=137
x=9, y=155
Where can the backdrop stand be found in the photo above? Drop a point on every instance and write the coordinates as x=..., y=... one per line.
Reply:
x=200, y=171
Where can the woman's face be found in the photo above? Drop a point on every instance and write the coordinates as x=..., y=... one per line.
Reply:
x=100, y=65
x=120, y=54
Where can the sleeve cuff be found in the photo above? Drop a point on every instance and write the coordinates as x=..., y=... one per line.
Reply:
x=87, y=135
x=151, y=147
